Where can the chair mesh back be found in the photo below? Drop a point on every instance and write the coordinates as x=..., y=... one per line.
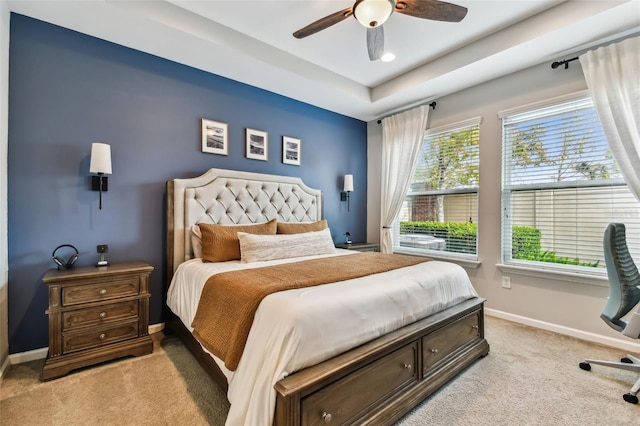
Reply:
x=624, y=278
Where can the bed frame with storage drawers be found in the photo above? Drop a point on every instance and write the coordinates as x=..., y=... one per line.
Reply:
x=375, y=383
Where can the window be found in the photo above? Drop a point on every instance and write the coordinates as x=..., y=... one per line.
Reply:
x=561, y=187
x=440, y=211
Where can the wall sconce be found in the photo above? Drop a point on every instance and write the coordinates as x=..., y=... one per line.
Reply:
x=100, y=165
x=348, y=187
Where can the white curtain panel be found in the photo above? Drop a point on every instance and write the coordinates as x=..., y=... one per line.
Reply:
x=402, y=136
x=613, y=79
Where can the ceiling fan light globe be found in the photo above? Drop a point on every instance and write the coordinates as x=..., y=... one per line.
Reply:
x=373, y=13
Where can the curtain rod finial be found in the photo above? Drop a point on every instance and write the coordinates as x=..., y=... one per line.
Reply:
x=565, y=62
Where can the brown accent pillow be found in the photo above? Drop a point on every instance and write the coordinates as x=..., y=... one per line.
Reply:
x=301, y=227
x=220, y=242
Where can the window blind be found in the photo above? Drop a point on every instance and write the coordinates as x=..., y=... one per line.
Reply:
x=561, y=188
x=440, y=211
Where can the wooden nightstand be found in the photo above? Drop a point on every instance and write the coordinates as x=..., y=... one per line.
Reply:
x=360, y=246
x=96, y=314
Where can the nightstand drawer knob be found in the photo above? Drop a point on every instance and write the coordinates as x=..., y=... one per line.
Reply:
x=434, y=351
x=103, y=315
x=103, y=336
x=103, y=292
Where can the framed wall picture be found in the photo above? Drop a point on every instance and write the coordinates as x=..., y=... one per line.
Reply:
x=291, y=150
x=215, y=137
x=257, y=144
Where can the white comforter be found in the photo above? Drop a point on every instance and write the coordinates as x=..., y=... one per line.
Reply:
x=297, y=328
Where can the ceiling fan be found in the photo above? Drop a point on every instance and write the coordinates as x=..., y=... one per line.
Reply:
x=373, y=13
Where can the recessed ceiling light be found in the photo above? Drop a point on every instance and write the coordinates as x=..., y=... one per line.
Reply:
x=388, y=57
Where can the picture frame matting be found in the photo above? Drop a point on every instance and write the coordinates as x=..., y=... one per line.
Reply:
x=215, y=137
x=257, y=142
x=291, y=150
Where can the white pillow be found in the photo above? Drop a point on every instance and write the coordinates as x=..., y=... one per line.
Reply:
x=256, y=248
x=196, y=241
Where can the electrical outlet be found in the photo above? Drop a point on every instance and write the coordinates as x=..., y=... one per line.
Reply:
x=506, y=282
x=103, y=248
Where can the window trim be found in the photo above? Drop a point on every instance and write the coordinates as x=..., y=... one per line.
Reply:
x=543, y=104
x=474, y=121
x=463, y=260
x=548, y=270
x=597, y=277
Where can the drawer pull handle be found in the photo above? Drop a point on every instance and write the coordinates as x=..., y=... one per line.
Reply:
x=103, y=315
x=475, y=327
x=326, y=417
x=103, y=336
x=103, y=292
x=407, y=366
x=434, y=351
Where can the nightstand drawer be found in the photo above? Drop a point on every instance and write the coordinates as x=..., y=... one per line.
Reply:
x=78, y=341
x=96, y=292
x=99, y=315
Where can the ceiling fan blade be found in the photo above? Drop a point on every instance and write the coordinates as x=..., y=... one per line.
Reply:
x=323, y=23
x=375, y=42
x=432, y=9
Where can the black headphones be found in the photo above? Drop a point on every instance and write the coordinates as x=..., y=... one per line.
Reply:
x=62, y=264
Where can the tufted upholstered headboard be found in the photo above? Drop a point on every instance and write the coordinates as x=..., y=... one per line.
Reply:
x=233, y=197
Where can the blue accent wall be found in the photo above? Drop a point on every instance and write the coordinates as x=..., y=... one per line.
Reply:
x=67, y=90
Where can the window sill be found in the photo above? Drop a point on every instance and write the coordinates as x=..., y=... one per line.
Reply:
x=554, y=274
x=462, y=261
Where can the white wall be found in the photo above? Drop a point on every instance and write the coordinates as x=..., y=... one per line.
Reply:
x=540, y=301
x=4, y=107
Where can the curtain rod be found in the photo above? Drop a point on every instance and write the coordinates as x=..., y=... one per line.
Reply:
x=432, y=105
x=564, y=62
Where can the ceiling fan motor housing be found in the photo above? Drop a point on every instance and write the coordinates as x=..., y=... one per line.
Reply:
x=373, y=13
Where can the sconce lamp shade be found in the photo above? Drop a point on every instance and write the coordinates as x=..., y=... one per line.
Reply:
x=348, y=183
x=348, y=187
x=100, y=158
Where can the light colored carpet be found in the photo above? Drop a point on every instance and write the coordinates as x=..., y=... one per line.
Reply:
x=530, y=377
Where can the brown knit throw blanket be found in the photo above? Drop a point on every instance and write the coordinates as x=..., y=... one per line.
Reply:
x=230, y=299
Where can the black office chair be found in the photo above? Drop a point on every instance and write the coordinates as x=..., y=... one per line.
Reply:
x=624, y=295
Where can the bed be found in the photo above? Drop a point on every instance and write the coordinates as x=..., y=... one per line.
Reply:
x=348, y=352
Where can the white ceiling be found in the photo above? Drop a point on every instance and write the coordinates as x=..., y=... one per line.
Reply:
x=252, y=42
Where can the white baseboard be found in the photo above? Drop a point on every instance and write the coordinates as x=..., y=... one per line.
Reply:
x=628, y=346
x=3, y=368
x=41, y=353
x=33, y=355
